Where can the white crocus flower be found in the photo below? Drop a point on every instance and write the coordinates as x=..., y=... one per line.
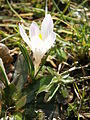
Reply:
x=39, y=41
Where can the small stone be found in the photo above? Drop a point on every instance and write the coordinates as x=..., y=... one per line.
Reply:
x=9, y=76
x=5, y=54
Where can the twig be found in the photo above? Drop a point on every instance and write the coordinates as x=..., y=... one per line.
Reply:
x=74, y=68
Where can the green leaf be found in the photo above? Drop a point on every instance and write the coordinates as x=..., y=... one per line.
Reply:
x=66, y=79
x=50, y=87
x=21, y=102
x=3, y=73
x=44, y=82
x=17, y=117
x=8, y=94
x=27, y=59
x=42, y=89
x=64, y=91
x=61, y=54
x=33, y=89
x=21, y=73
x=53, y=92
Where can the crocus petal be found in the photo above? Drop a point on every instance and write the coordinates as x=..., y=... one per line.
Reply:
x=49, y=42
x=36, y=43
x=47, y=26
x=37, y=46
x=38, y=55
x=34, y=30
x=24, y=35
